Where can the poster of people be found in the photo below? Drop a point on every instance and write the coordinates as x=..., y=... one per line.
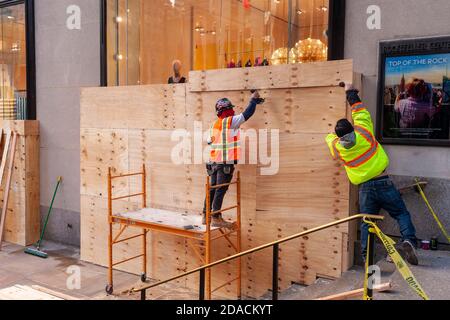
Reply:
x=417, y=97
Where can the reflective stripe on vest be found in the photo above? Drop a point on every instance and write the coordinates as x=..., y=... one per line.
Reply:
x=357, y=107
x=366, y=156
x=337, y=154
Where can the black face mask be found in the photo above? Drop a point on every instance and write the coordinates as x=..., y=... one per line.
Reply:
x=349, y=140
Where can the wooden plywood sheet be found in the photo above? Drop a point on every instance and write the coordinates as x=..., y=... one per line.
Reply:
x=127, y=127
x=174, y=219
x=304, y=110
x=154, y=106
x=318, y=74
x=101, y=149
x=22, y=225
x=25, y=293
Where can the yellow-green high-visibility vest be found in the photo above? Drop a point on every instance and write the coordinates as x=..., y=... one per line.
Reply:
x=367, y=159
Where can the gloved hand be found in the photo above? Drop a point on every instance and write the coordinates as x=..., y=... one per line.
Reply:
x=255, y=94
x=348, y=87
x=351, y=92
x=257, y=97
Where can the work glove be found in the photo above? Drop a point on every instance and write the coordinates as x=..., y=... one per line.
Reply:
x=257, y=98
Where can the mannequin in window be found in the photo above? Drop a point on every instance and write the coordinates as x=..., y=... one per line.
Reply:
x=176, y=78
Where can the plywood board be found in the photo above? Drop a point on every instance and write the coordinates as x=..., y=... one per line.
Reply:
x=307, y=75
x=127, y=127
x=25, y=293
x=22, y=225
x=156, y=106
x=303, y=110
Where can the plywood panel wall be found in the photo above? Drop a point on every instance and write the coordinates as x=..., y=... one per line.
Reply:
x=125, y=127
x=22, y=224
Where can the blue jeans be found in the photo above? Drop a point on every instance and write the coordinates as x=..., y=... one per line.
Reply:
x=220, y=174
x=382, y=194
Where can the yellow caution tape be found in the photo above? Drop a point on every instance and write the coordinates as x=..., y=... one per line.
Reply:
x=401, y=265
x=435, y=216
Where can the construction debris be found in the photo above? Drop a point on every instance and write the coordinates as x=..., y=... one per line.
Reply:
x=9, y=146
x=357, y=293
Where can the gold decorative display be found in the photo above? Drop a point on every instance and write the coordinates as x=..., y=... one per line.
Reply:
x=309, y=50
x=144, y=37
x=279, y=56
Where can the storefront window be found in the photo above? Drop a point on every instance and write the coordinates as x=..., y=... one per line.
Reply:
x=13, y=63
x=145, y=37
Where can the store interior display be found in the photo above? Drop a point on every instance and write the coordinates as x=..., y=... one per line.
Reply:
x=13, y=72
x=144, y=37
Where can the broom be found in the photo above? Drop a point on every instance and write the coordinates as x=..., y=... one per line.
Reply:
x=37, y=251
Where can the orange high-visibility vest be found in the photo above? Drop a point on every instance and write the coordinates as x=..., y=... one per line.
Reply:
x=367, y=159
x=225, y=147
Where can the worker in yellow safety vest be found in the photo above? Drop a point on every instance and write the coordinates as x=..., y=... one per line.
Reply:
x=366, y=162
x=225, y=152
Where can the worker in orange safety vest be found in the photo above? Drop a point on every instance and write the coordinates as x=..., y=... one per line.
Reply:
x=225, y=153
x=366, y=162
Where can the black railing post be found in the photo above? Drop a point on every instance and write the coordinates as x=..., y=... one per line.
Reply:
x=276, y=248
x=371, y=257
x=202, y=285
x=143, y=295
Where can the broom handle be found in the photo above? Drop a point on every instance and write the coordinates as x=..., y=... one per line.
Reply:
x=49, y=211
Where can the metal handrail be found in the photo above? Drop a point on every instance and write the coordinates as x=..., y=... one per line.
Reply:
x=274, y=244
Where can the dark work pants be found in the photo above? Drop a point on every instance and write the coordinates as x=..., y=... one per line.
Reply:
x=219, y=175
x=382, y=194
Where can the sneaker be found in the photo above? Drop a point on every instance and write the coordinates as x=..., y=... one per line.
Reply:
x=219, y=222
x=408, y=252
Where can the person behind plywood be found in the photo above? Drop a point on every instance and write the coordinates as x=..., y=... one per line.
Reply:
x=177, y=77
x=366, y=162
x=225, y=152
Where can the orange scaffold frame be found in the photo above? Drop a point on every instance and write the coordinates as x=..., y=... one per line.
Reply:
x=196, y=239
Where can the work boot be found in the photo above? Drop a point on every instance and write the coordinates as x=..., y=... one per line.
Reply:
x=389, y=259
x=408, y=252
x=219, y=222
x=204, y=219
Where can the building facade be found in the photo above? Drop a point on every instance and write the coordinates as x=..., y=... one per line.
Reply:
x=402, y=19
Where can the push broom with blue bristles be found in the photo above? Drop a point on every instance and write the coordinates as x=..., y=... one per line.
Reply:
x=37, y=250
